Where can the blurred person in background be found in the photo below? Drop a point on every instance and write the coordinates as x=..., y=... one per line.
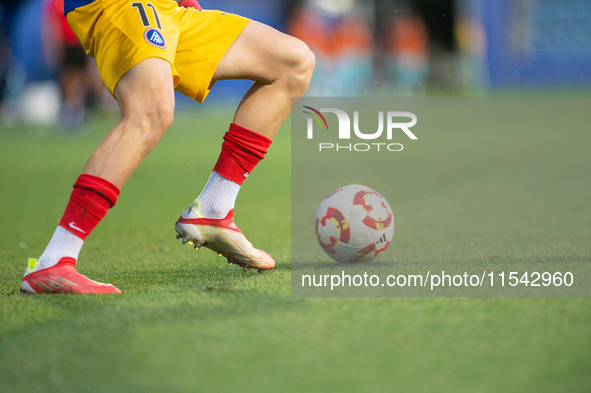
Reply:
x=339, y=34
x=78, y=78
x=51, y=79
x=408, y=52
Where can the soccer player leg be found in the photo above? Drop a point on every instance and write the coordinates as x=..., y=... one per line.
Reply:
x=209, y=221
x=146, y=98
x=281, y=67
x=145, y=95
x=55, y=271
x=136, y=68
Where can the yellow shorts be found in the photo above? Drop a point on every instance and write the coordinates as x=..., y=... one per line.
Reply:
x=119, y=34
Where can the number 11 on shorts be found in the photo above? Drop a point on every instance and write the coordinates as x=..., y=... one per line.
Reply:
x=144, y=15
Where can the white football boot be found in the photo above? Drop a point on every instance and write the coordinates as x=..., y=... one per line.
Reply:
x=223, y=237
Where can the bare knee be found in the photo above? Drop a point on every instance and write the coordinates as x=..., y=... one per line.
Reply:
x=146, y=98
x=299, y=68
x=154, y=123
x=149, y=124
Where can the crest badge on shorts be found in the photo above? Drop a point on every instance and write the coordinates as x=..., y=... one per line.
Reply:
x=154, y=37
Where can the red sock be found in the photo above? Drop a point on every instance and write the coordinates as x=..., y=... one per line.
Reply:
x=241, y=152
x=89, y=202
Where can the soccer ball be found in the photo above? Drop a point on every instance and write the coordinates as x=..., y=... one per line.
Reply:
x=354, y=224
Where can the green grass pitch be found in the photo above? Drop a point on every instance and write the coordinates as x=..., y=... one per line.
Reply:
x=189, y=322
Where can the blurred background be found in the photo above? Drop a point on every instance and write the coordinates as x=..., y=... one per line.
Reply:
x=363, y=48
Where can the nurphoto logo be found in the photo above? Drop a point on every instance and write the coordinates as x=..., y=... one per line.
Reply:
x=393, y=123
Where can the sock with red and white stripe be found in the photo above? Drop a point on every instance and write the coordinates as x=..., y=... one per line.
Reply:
x=89, y=202
x=242, y=150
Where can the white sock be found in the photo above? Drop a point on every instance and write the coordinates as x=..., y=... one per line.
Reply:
x=63, y=244
x=218, y=196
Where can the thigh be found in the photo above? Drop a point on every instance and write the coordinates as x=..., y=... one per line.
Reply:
x=261, y=54
x=120, y=34
x=144, y=89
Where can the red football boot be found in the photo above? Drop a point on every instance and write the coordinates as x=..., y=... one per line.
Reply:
x=61, y=278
